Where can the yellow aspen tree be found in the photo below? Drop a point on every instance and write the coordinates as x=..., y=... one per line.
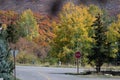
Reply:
x=72, y=32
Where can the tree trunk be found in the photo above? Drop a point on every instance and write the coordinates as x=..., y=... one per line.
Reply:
x=98, y=69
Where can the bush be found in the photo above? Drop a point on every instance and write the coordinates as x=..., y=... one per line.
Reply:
x=24, y=57
x=52, y=61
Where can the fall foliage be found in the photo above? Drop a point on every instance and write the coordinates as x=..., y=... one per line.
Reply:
x=6, y=17
x=57, y=38
x=72, y=32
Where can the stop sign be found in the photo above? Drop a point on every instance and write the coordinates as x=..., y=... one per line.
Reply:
x=77, y=54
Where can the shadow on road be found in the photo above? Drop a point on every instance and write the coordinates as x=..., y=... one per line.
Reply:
x=113, y=73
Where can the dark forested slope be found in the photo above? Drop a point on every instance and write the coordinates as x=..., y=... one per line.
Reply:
x=43, y=6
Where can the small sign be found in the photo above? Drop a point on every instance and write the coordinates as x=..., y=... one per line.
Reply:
x=78, y=54
x=1, y=78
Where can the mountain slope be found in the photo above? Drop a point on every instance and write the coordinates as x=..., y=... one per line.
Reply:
x=43, y=6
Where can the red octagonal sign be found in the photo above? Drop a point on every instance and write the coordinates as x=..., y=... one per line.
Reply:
x=77, y=54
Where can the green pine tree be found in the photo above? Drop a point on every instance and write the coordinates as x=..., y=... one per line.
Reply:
x=101, y=48
x=6, y=65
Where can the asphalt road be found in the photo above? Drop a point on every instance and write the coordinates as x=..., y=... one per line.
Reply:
x=50, y=73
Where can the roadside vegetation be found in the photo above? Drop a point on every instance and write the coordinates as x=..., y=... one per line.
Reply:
x=42, y=40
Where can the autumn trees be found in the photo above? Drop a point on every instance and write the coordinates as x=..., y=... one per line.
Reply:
x=77, y=28
x=6, y=17
x=71, y=33
x=88, y=30
x=114, y=37
x=28, y=25
x=14, y=28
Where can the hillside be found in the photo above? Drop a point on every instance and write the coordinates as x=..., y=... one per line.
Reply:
x=43, y=6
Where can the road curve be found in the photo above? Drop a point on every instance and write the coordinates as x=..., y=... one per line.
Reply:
x=50, y=73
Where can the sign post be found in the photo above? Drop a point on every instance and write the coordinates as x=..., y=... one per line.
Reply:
x=77, y=55
x=14, y=52
x=1, y=78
